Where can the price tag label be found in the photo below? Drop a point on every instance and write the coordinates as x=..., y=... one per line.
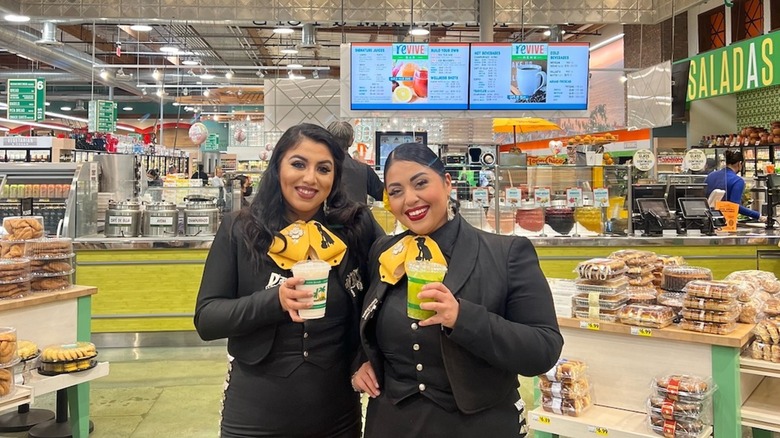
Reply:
x=542, y=196
x=574, y=197
x=590, y=325
x=198, y=220
x=480, y=196
x=513, y=195
x=541, y=419
x=120, y=220
x=598, y=431
x=642, y=331
x=601, y=197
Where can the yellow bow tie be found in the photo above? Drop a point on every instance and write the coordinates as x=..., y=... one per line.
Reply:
x=303, y=240
x=409, y=249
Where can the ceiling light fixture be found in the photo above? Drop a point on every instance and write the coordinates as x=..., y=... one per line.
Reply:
x=206, y=92
x=606, y=41
x=141, y=27
x=156, y=75
x=315, y=74
x=260, y=74
x=169, y=49
x=283, y=30
x=104, y=74
x=294, y=65
x=127, y=108
x=229, y=75
x=175, y=104
x=547, y=33
x=419, y=31
x=159, y=93
x=185, y=91
x=190, y=61
x=65, y=108
x=207, y=75
x=13, y=18
x=289, y=51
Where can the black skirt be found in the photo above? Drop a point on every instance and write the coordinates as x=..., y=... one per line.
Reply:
x=311, y=403
x=419, y=417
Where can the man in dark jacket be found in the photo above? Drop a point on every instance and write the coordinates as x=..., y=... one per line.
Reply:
x=359, y=178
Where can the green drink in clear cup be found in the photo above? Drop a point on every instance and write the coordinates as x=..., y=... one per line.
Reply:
x=418, y=274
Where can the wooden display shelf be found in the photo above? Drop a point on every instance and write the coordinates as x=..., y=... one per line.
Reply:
x=37, y=298
x=736, y=339
x=761, y=408
x=597, y=421
x=46, y=384
x=22, y=395
x=749, y=365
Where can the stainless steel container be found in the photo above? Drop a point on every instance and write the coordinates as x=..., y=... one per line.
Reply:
x=123, y=219
x=161, y=219
x=201, y=216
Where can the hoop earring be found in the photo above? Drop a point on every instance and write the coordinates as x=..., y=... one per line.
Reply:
x=450, y=209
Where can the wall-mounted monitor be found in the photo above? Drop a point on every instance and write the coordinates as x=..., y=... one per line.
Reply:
x=389, y=140
x=409, y=76
x=529, y=76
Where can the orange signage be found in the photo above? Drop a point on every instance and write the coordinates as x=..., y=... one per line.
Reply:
x=730, y=211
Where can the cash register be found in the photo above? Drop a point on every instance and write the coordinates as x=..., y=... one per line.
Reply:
x=695, y=213
x=654, y=216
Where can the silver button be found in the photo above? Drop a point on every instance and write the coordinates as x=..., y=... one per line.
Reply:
x=419, y=367
x=414, y=326
x=422, y=386
x=305, y=354
x=305, y=335
x=416, y=347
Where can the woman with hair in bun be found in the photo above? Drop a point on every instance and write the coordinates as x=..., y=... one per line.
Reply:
x=728, y=179
x=453, y=374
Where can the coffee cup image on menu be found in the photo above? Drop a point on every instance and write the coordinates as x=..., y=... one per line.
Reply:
x=529, y=82
x=414, y=86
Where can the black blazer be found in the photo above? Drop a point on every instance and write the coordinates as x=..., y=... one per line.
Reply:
x=240, y=303
x=506, y=325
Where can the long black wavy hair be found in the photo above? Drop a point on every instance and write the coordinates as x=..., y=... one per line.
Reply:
x=420, y=154
x=266, y=216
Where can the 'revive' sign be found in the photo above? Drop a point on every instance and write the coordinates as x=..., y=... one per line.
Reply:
x=742, y=66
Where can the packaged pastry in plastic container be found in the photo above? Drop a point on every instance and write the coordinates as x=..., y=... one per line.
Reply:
x=676, y=410
x=39, y=249
x=8, y=354
x=641, y=294
x=11, y=249
x=710, y=316
x=713, y=328
x=683, y=387
x=640, y=270
x=596, y=314
x=28, y=354
x=600, y=269
x=644, y=315
x=676, y=429
x=713, y=289
x=764, y=351
x=51, y=267
x=605, y=287
x=772, y=307
x=767, y=331
x=711, y=304
x=573, y=407
x=23, y=227
x=67, y=358
x=7, y=381
x=668, y=260
x=566, y=370
x=53, y=282
x=752, y=311
x=634, y=257
x=642, y=280
x=765, y=280
x=671, y=299
x=569, y=389
x=676, y=277
x=14, y=277
x=595, y=299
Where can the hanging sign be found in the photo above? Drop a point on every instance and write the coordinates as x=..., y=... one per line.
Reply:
x=26, y=99
x=695, y=160
x=644, y=160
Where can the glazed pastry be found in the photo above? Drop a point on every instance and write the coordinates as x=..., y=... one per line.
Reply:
x=68, y=352
x=23, y=228
x=567, y=370
x=26, y=349
x=8, y=346
x=600, y=269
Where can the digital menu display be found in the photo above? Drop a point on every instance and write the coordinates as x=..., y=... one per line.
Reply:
x=529, y=76
x=416, y=76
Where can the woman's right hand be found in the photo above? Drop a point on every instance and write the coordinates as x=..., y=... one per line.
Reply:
x=364, y=380
x=288, y=297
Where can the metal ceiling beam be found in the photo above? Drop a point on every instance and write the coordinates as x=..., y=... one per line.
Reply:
x=65, y=58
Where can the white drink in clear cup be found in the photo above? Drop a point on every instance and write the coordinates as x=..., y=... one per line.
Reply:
x=315, y=273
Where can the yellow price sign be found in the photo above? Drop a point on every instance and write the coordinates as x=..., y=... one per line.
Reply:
x=590, y=325
x=544, y=420
x=598, y=431
x=642, y=331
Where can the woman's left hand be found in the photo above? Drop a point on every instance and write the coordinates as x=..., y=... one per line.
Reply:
x=444, y=304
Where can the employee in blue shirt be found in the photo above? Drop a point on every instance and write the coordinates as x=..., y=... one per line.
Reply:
x=728, y=179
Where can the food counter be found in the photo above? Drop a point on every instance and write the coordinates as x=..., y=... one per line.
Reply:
x=150, y=284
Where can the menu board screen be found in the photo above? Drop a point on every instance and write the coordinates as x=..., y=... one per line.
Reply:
x=529, y=76
x=387, y=76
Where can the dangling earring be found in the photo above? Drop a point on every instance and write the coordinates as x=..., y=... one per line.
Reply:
x=450, y=209
x=325, y=207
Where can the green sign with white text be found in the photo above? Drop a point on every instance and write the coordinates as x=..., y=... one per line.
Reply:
x=742, y=66
x=26, y=99
x=211, y=144
x=102, y=116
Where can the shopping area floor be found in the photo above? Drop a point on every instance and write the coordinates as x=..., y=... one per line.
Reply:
x=158, y=392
